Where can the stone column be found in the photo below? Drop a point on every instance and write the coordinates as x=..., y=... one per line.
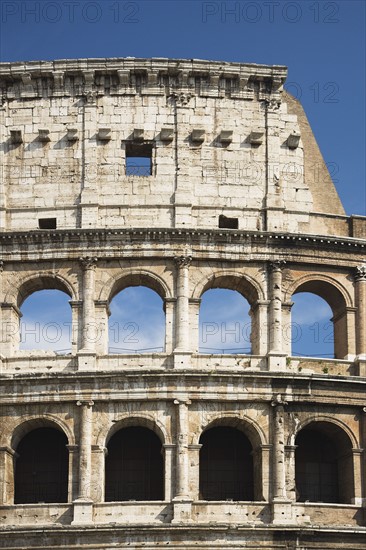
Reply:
x=194, y=470
x=363, y=456
x=89, y=198
x=360, y=292
x=357, y=475
x=182, y=311
x=182, y=500
x=281, y=506
x=169, y=304
x=194, y=307
x=98, y=454
x=1, y=280
x=290, y=451
x=102, y=314
x=183, y=199
x=265, y=451
x=10, y=329
x=7, y=458
x=1, y=301
x=259, y=329
x=168, y=471
x=286, y=328
x=89, y=326
x=276, y=356
x=76, y=323
x=83, y=504
x=73, y=469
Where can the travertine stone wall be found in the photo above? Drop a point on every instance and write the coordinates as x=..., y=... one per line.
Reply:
x=226, y=141
x=246, y=165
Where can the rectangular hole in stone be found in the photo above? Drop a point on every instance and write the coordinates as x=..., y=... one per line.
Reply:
x=47, y=223
x=138, y=159
x=228, y=223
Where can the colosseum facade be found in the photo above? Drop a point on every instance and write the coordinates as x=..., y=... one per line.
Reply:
x=176, y=448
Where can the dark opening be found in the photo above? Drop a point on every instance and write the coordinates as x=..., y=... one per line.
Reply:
x=226, y=465
x=134, y=466
x=41, y=469
x=316, y=467
x=47, y=223
x=138, y=159
x=228, y=223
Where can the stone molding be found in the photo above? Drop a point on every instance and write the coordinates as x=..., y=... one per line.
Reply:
x=129, y=76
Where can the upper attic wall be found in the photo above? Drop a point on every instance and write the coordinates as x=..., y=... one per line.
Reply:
x=225, y=142
x=316, y=173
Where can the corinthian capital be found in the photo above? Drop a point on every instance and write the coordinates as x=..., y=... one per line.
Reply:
x=278, y=401
x=183, y=261
x=88, y=262
x=360, y=273
x=277, y=265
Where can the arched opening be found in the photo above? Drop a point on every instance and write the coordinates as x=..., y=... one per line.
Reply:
x=41, y=467
x=46, y=321
x=137, y=321
x=312, y=331
x=134, y=468
x=226, y=465
x=319, y=320
x=323, y=464
x=224, y=322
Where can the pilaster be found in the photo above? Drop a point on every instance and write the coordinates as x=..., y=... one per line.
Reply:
x=83, y=505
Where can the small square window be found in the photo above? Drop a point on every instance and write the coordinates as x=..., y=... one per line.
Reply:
x=47, y=223
x=138, y=159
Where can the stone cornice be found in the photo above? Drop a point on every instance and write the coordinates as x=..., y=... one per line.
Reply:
x=156, y=75
x=179, y=235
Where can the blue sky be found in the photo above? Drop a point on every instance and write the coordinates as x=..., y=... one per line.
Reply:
x=322, y=43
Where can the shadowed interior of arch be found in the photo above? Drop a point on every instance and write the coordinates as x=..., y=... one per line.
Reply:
x=312, y=331
x=226, y=465
x=46, y=322
x=41, y=467
x=324, y=464
x=224, y=322
x=134, y=468
x=137, y=321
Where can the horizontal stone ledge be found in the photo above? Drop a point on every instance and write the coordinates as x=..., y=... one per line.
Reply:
x=183, y=234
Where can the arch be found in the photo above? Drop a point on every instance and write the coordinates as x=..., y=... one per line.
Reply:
x=35, y=282
x=134, y=465
x=226, y=465
x=34, y=422
x=247, y=286
x=225, y=322
x=244, y=424
x=338, y=300
x=324, y=463
x=138, y=420
x=340, y=424
x=41, y=467
x=137, y=321
x=145, y=278
x=324, y=286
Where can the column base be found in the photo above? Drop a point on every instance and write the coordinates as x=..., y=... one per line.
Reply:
x=276, y=361
x=282, y=512
x=87, y=360
x=83, y=512
x=182, y=510
x=182, y=359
